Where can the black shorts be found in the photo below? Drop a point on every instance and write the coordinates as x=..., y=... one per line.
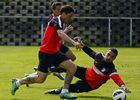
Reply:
x=47, y=60
x=81, y=85
x=63, y=48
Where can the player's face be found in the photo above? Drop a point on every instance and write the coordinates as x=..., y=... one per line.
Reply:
x=110, y=56
x=67, y=17
x=56, y=12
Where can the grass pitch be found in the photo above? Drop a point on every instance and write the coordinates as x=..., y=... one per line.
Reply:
x=15, y=61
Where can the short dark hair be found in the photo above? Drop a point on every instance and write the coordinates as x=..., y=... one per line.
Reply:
x=56, y=4
x=114, y=50
x=67, y=9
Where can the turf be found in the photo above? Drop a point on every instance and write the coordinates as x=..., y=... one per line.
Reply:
x=15, y=61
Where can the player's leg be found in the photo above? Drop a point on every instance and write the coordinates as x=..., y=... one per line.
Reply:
x=67, y=52
x=26, y=75
x=45, y=61
x=78, y=87
x=64, y=49
x=40, y=78
x=71, y=55
x=67, y=64
x=81, y=85
x=80, y=72
x=55, y=72
x=71, y=68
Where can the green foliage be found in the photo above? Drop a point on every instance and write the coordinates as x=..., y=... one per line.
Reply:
x=15, y=61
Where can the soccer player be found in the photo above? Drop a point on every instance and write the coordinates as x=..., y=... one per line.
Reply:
x=49, y=54
x=92, y=78
x=56, y=8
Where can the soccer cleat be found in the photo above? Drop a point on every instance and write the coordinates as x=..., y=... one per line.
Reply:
x=13, y=80
x=14, y=86
x=26, y=75
x=53, y=91
x=67, y=96
x=58, y=75
x=35, y=68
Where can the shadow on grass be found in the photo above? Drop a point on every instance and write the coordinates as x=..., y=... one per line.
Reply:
x=95, y=97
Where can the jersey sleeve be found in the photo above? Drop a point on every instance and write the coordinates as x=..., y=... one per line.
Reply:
x=57, y=23
x=116, y=78
x=50, y=18
x=89, y=51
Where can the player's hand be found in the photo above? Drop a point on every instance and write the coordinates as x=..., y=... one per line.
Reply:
x=125, y=89
x=78, y=39
x=68, y=29
x=77, y=45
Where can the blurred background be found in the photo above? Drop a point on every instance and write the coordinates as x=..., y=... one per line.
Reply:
x=97, y=22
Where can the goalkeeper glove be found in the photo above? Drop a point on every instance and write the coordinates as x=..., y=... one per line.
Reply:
x=124, y=88
x=78, y=39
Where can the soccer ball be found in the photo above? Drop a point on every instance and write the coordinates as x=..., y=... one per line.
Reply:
x=119, y=95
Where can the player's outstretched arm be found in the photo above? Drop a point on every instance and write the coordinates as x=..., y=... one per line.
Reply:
x=66, y=38
x=116, y=78
x=85, y=48
x=124, y=88
x=78, y=39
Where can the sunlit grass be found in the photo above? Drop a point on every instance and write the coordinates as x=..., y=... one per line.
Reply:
x=15, y=61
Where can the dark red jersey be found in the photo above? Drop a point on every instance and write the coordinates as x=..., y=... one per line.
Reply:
x=51, y=41
x=101, y=71
x=50, y=17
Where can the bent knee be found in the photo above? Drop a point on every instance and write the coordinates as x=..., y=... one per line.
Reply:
x=73, y=58
x=72, y=69
x=41, y=81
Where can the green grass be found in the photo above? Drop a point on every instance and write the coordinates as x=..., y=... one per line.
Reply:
x=15, y=61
